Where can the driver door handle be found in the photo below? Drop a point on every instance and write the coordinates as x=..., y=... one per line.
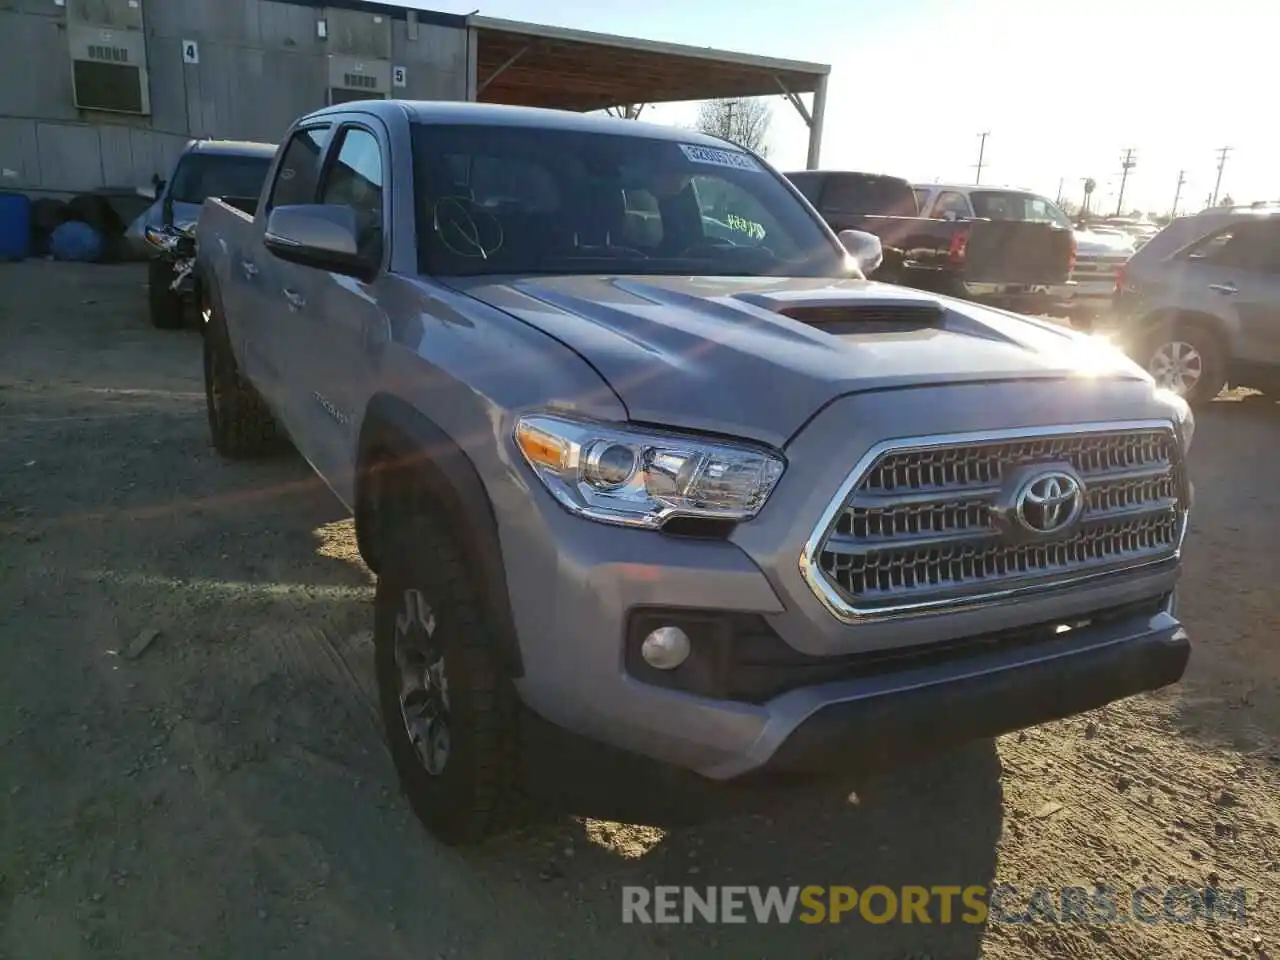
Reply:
x=249, y=269
x=295, y=300
x=1224, y=288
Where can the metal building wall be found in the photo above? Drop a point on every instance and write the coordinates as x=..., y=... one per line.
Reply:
x=261, y=64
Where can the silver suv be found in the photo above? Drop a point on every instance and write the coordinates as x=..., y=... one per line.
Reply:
x=1199, y=305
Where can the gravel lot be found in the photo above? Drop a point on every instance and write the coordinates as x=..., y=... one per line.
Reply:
x=224, y=792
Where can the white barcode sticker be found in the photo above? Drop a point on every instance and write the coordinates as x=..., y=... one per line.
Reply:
x=719, y=158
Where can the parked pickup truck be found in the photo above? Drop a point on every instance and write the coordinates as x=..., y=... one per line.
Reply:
x=165, y=231
x=1003, y=262
x=722, y=503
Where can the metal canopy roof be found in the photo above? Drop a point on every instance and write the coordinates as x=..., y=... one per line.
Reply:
x=540, y=66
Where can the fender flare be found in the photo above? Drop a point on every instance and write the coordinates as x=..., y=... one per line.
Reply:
x=398, y=437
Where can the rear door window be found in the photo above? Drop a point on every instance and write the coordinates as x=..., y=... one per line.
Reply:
x=950, y=202
x=299, y=171
x=869, y=195
x=1247, y=246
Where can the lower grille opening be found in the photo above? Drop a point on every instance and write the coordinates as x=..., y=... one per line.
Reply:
x=740, y=657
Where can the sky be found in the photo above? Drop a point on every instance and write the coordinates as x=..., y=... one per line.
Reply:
x=1063, y=88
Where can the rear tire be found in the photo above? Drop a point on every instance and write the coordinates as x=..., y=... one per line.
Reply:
x=240, y=423
x=452, y=716
x=163, y=305
x=1188, y=359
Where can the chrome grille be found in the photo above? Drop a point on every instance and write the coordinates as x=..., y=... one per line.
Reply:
x=1096, y=268
x=919, y=526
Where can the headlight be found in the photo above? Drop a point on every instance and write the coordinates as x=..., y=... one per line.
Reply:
x=642, y=478
x=1183, y=418
x=161, y=239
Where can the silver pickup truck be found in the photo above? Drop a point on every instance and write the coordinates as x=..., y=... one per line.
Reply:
x=634, y=448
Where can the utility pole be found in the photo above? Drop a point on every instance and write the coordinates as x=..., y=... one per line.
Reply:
x=1061, y=181
x=1177, y=194
x=728, y=119
x=1127, y=163
x=1222, y=162
x=982, y=149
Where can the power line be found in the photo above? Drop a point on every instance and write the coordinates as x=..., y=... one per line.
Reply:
x=1222, y=162
x=1127, y=163
x=982, y=149
x=1177, y=194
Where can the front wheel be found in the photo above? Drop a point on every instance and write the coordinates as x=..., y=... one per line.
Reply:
x=1189, y=361
x=450, y=712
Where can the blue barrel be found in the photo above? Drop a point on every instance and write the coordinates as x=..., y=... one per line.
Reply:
x=15, y=226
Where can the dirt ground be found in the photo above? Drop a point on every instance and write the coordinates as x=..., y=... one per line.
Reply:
x=225, y=791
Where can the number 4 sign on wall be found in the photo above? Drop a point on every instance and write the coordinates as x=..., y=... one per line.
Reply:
x=190, y=51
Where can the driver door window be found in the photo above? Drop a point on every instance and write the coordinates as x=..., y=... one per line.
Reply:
x=355, y=180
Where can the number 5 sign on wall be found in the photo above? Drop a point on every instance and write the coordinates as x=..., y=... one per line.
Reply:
x=190, y=51
x=399, y=77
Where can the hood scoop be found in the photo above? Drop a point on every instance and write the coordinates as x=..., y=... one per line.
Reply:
x=885, y=317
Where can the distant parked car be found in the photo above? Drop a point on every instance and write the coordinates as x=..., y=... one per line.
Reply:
x=205, y=168
x=1199, y=304
x=1101, y=254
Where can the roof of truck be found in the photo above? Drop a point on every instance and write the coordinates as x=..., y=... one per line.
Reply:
x=966, y=187
x=503, y=115
x=233, y=148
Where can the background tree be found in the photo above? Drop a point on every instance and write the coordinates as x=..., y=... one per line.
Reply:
x=740, y=120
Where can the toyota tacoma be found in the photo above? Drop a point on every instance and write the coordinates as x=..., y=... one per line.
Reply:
x=633, y=447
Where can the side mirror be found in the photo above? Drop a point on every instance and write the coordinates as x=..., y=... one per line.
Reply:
x=316, y=235
x=865, y=249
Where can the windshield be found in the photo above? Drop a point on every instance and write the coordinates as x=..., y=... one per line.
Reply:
x=203, y=175
x=495, y=200
x=1012, y=205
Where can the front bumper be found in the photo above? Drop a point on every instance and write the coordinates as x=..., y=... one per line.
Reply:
x=925, y=710
x=576, y=586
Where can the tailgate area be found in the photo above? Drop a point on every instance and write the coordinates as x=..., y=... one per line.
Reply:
x=1012, y=251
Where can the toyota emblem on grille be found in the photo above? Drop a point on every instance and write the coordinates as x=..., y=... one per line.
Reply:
x=1049, y=502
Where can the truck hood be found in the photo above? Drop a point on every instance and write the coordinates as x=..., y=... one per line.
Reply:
x=721, y=354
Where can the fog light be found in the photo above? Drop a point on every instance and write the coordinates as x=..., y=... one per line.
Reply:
x=666, y=648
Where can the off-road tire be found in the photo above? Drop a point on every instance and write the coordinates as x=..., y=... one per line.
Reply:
x=240, y=423
x=479, y=792
x=1212, y=352
x=163, y=305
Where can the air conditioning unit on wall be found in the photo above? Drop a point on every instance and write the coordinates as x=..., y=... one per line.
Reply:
x=353, y=79
x=113, y=14
x=109, y=69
